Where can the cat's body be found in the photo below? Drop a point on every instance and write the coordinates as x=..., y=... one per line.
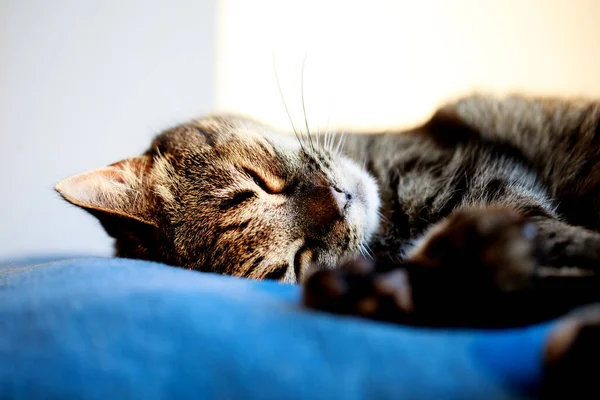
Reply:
x=537, y=156
x=492, y=202
x=426, y=174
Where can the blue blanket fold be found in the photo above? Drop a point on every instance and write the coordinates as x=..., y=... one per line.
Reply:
x=112, y=328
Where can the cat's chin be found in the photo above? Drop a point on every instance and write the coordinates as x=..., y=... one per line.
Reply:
x=364, y=211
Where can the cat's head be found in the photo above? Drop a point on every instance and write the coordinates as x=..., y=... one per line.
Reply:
x=230, y=195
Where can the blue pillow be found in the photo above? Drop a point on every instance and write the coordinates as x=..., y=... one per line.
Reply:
x=113, y=328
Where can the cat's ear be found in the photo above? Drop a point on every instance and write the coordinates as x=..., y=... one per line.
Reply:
x=120, y=189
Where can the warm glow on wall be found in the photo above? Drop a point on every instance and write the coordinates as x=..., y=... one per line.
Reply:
x=388, y=63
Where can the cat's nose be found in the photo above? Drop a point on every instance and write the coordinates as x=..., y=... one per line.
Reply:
x=341, y=198
x=320, y=206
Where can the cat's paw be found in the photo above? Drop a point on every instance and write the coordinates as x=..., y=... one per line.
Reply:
x=496, y=245
x=572, y=357
x=354, y=289
x=466, y=264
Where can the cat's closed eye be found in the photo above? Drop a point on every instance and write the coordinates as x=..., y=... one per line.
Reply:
x=267, y=182
x=237, y=199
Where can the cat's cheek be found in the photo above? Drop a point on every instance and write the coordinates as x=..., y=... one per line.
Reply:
x=372, y=205
x=364, y=212
x=358, y=223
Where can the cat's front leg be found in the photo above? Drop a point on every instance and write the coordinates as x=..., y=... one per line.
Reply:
x=568, y=246
x=470, y=269
x=493, y=246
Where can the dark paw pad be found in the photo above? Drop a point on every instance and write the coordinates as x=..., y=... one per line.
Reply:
x=353, y=290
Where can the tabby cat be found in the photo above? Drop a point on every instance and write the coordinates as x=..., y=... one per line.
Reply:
x=486, y=215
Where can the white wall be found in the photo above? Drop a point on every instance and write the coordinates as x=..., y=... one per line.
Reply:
x=84, y=84
x=390, y=62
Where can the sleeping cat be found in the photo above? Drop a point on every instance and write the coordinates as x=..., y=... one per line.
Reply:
x=486, y=215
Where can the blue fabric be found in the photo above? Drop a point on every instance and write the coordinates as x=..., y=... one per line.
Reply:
x=110, y=328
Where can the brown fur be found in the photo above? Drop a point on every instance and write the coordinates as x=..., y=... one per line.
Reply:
x=229, y=195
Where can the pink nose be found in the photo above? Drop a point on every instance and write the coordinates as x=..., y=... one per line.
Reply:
x=341, y=198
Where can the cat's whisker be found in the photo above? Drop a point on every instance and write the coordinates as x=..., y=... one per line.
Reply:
x=304, y=106
x=370, y=251
x=342, y=139
x=365, y=251
x=362, y=253
x=332, y=143
x=328, y=134
x=284, y=102
x=318, y=136
x=332, y=138
x=336, y=143
x=383, y=217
